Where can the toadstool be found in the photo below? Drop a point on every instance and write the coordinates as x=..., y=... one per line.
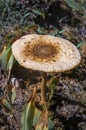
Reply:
x=46, y=54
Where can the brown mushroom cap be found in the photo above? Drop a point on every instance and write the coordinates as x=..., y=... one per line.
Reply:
x=46, y=53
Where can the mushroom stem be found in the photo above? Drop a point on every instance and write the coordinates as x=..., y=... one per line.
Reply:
x=43, y=88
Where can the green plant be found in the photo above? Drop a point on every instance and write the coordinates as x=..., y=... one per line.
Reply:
x=76, y=6
x=32, y=117
x=5, y=6
x=8, y=103
x=2, y=5
x=7, y=59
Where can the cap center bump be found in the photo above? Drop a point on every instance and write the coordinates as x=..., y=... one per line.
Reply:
x=44, y=51
x=41, y=52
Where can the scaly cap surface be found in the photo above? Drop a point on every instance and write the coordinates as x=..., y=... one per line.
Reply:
x=46, y=53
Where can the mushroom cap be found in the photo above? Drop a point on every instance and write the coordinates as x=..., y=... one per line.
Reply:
x=46, y=53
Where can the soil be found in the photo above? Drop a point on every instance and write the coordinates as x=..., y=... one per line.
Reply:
x=68, y=104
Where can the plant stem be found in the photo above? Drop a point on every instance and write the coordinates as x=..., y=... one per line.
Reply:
x=43, y=88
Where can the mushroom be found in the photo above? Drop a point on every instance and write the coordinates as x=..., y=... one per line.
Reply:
x=45, y=53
